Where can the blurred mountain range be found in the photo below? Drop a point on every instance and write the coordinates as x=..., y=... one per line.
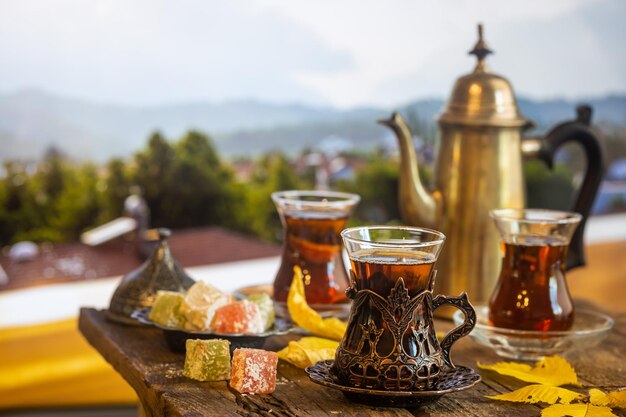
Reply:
x=33, y=120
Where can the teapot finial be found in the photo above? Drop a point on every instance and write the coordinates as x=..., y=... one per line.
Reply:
x=163, y=233
x=481, y=50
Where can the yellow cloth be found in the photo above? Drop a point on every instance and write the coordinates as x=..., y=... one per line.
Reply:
x=50, y=365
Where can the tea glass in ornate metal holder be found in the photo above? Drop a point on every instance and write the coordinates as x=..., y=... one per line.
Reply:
x=390, y=354
x=531, y=292
x=312, y=221
x=530, y=313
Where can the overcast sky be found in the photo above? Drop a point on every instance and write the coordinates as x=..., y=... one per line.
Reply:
x=338, y=52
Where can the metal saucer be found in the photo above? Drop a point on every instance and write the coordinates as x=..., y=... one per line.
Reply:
x=452, y=379
x=589, y=329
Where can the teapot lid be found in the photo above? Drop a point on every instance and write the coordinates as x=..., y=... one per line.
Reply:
x=482, y=98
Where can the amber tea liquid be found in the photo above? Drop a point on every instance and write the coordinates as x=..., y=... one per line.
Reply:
x=379, y=270
x=531, y=293
x=312, y=241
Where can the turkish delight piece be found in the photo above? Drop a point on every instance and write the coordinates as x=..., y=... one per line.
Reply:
x=200, y=304
x=253, y=371
x=207, y=360
x=166, y=309
x=236, y=318
x=266, y=308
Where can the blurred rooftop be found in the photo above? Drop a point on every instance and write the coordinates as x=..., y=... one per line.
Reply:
x=74, y=261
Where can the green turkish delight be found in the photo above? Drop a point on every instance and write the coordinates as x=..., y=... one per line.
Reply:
x=166, y=309
x=266, y=308
x=207, y=360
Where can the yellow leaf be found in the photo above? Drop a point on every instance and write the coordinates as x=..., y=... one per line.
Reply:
x=576, y=410
x=551, y=370
x=307, y=318
x=308, y=351
x=533, y=394
x=616, y=399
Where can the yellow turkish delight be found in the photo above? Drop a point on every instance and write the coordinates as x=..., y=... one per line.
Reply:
x=199, y=305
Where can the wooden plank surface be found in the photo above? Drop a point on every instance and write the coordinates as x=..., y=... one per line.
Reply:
x=142, y=357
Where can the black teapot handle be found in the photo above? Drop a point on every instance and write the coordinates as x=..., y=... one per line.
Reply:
x=578, y=131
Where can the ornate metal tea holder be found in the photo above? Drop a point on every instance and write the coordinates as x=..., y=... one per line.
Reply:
x=411, y=368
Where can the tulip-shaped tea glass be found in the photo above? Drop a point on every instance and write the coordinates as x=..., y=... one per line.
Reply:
x=390, y=343
x=532, y=293
x=312, y=221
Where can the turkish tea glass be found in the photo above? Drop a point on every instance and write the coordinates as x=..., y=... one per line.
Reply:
x=312, y=221
x=390, y=342
x=531, y=292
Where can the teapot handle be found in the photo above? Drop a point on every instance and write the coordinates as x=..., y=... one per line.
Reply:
x=462, y=303
x=577, y=131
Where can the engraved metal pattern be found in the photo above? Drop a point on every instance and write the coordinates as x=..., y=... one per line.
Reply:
x=410, y=359
x=450, y=380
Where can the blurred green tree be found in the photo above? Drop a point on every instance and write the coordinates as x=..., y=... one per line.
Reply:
x=153, y=167
x=19, y=208
x=114, y=189
x=377, y=184
x=77, y=206
x=548, y=189
x=273, y=173
x=52, y=172
x=198, y=184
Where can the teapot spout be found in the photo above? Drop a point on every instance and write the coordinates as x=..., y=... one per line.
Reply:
x=418, y=206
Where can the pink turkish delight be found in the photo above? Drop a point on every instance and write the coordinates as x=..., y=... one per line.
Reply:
x=240, y=317
x=253, y=371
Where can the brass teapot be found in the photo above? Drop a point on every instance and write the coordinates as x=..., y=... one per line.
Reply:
x=479, y=167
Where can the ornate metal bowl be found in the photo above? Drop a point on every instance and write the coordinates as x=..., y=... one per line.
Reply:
x=176, y=337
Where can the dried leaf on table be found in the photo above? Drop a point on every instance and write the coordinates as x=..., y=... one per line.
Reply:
x=533, y=394
x=615, y=399
x=307, y=318
x=551, y=370
x=308, y=351
x=576, y=410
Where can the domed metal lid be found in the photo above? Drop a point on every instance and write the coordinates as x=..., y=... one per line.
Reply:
x=482, y=98
x=138, y=288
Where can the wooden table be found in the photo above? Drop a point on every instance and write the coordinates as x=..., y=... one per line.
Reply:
x=141, y=356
